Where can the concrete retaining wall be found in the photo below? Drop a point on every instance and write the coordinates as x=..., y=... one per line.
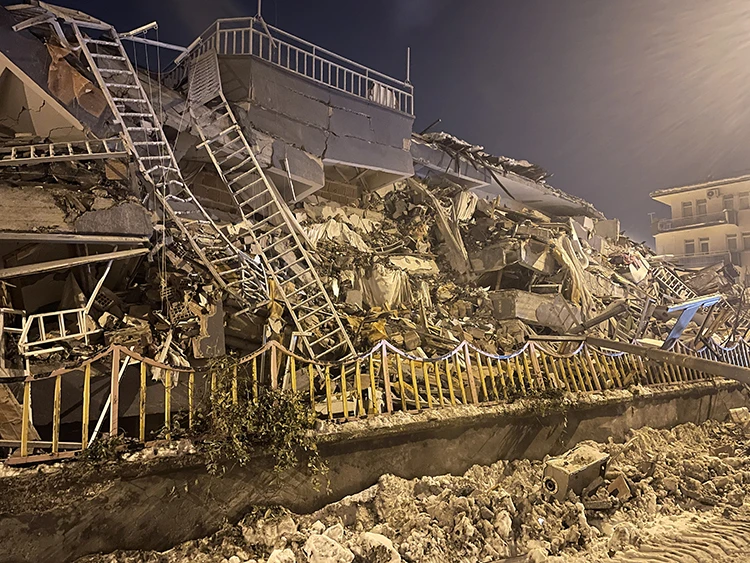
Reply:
x=65, y=513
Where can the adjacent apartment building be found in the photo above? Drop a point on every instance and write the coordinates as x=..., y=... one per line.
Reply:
x=709, y=223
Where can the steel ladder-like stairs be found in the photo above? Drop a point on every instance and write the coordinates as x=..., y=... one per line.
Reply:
x=233, y=269
x=267, y=221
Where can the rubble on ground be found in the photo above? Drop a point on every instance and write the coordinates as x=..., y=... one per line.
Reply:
x=654, y=483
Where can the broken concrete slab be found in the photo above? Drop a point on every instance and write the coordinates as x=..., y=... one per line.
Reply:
x=573, y=471
x=124, y=219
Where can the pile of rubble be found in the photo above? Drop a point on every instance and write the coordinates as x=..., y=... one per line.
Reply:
x=428, y=266
x=423, y=265
x=658, y=482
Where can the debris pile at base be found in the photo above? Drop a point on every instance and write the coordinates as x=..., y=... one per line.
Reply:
x=658, y=482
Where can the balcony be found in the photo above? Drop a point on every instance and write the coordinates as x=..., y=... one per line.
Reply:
x=708, y=259
x=726, y=217
x=252, y=36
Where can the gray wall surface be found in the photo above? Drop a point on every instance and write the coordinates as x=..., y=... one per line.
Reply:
x=329, y=125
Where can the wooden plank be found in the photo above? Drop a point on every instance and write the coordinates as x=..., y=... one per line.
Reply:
x=70, y=238
x=53, y=265
x=40, y=444
x=39, y=458
x=114, y=404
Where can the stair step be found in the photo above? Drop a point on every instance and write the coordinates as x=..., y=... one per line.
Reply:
x=249, y=186
x=108, y=57
x=115, y=71
x=117, y=85
x=100, y=42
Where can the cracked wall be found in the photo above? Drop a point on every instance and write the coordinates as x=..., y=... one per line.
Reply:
x=316, y=125
x=25, y=113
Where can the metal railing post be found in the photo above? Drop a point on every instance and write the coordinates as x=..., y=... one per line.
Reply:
x=114, y=393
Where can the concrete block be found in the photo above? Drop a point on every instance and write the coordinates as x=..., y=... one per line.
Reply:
x=292, y=104
x=355, y=152
x=305, y=137
x=609, y=229
x=391, y=128
x=620, y=489
x=533, y=308
x=350, y=124
x=573, y=471
x=30, y=208
x=303, y=166
x=261, y=72
x=235, y=78
x=125, y=219
x=489, y=259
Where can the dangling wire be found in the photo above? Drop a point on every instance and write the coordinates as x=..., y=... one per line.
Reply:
x=162, y=152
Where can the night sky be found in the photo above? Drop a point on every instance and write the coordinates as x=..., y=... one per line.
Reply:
x=614, y=98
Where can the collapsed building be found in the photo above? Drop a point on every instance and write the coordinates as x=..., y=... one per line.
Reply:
x=263, y=189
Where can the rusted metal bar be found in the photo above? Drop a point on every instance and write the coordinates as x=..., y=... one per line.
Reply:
x=344, y=398
x=114, y=393
x=56, y=415
x=86, y=409
x=412, y=369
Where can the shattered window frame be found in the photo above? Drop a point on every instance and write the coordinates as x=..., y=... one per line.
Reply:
x=746, y=241
x=744, y=200
x=732, y=242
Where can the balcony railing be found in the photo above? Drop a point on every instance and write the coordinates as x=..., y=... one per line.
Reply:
x=708, y=259
x=728, y=216
x=251, y=36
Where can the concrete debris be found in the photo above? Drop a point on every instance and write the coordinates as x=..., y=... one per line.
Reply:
x=574, y=471
x=655, y=485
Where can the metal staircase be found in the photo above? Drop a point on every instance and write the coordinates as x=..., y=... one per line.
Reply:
x=672, y=284
x=63, y=152
x=267, y=222
x=233, y=269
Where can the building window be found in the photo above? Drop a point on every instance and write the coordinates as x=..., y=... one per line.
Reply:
x=703, y=245
x=690, y=246
x=746, y=241
x=731, y=243
x=700, y=207
x=687, y=208
x=729, y=202
x=745, y=200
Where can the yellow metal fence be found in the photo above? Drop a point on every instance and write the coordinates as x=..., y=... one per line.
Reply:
x=381, y=381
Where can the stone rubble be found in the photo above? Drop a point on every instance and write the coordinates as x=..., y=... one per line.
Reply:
x=673, y=477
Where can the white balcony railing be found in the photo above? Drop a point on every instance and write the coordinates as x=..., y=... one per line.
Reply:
x=43, y=329
x=252, y=36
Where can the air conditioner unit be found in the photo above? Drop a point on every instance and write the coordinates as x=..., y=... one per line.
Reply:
x=712, y=193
